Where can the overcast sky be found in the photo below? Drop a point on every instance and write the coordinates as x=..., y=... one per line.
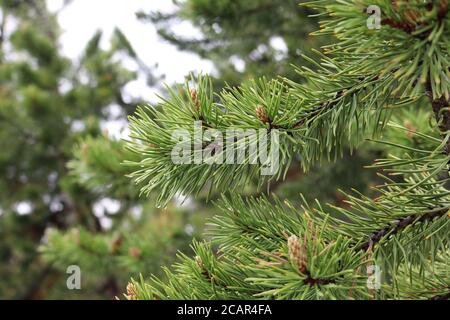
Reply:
x=82, y=18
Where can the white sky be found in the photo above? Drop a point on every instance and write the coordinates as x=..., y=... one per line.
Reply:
x=82, y=18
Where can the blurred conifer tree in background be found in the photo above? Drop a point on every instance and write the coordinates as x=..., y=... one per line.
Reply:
x=64, y=195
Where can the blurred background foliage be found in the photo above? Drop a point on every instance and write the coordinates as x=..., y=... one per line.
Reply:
x=64, y=195
x=244, y=39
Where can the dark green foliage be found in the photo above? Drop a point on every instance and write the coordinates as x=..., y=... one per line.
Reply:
x=47, y=105
x=58, y=164
x=367, y=82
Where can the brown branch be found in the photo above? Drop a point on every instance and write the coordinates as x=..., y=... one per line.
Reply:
x=328, y=105
x=317, y=282
x=324, y=107
x=412, y=16
x=445, y=296
x=442, y=10
x=401, y=25
x=400, y=225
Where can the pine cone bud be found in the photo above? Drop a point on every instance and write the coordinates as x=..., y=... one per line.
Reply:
x=131, y=291
x=194, y=94
x=194, y=98
x=262, y=114
x=412, y=16
x=297, y=254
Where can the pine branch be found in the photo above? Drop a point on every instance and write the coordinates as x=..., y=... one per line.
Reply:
x=350, y=93
x=402, y=224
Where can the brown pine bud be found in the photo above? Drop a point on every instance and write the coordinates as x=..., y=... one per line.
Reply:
x=194, y=98
x=297, y=254
x=262, y=114
x=131, y=291
x=193, y=94
x=412, y=16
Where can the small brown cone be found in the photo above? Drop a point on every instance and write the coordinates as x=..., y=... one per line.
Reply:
x=297, y=254
x=131, y=291
x=262, y=114
x=194, y=98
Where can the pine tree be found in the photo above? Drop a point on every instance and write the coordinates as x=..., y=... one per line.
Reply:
x=57, y=164
x=64, y=227
x=386, y=79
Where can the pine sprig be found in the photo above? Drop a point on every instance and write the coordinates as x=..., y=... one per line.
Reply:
x=270, y=249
